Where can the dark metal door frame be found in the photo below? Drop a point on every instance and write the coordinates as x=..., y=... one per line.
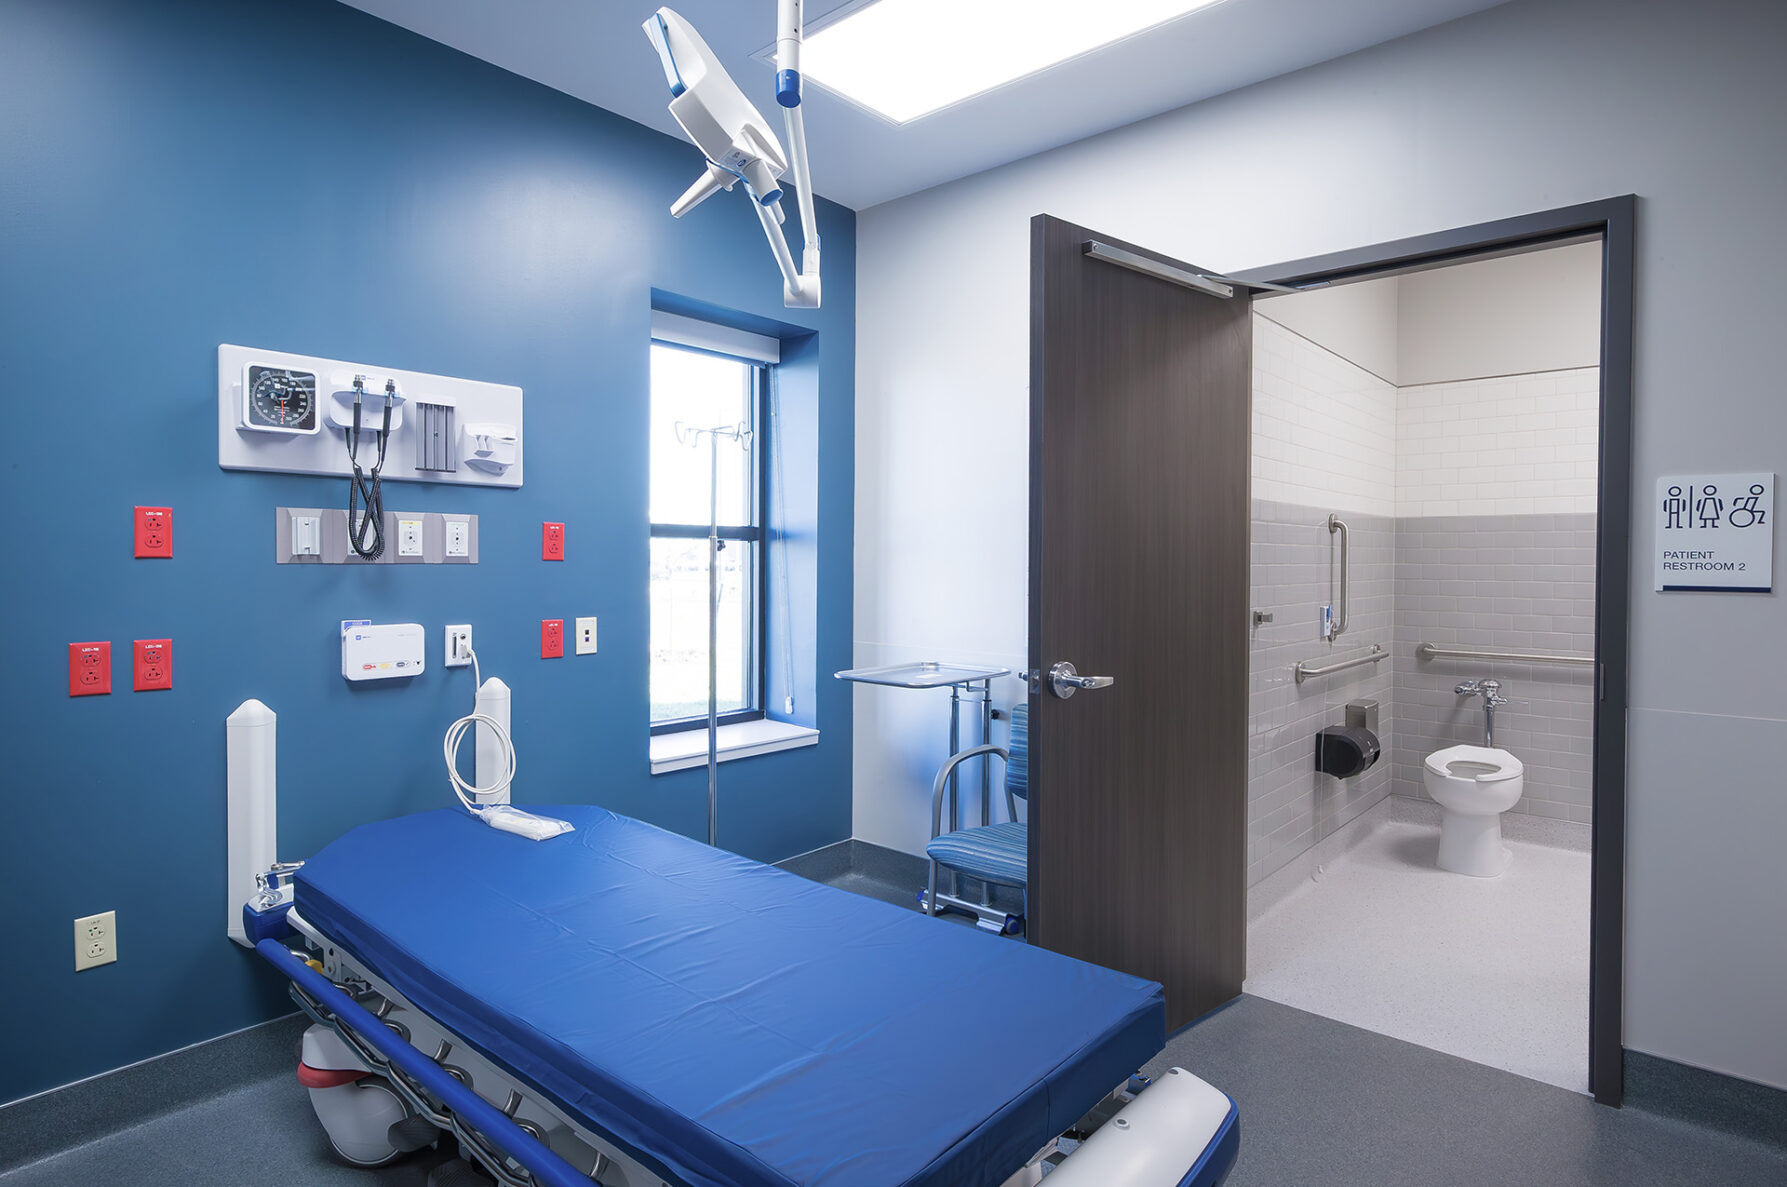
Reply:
x=1613, y=220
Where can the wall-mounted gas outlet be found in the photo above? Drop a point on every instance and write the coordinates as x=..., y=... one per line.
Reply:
x=409, y=537
x=552, y=638
x=586, y=636
x=458, y=645
x=89, y=669
x=552, y=541
x=95, y=940
x=155, y=531
x=153, y=665
x=459, y=538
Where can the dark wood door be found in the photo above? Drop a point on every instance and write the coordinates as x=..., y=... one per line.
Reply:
x=1140, y=438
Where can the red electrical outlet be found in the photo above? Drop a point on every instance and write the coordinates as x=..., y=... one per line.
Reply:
x=154, y=666
x=89, y=669
x=552, y=541
x=155, y=531
x=552, y=638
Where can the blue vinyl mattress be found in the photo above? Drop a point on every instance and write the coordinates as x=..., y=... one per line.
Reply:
x=727, y=1022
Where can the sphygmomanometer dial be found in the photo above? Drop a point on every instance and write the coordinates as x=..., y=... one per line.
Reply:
x=279, y=400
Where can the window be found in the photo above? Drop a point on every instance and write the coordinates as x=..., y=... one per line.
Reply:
x=693, y=393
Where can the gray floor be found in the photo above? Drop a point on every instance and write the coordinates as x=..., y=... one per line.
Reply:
x=1322, y=1103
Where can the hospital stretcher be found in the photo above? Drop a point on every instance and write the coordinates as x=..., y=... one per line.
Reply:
x=625, y=1006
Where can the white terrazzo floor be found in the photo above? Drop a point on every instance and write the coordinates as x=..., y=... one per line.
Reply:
x=1492, y=970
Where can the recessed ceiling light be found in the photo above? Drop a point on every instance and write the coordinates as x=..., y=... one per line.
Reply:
x=907, y=58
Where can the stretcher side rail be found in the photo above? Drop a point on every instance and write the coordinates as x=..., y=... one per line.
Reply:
x=464, y=1108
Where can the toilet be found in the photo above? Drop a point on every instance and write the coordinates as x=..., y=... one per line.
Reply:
x=1474, y=785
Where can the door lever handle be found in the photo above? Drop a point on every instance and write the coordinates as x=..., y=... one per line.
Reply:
x=1065, y=680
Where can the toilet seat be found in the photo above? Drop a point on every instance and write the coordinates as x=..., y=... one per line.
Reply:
x=1501, y=764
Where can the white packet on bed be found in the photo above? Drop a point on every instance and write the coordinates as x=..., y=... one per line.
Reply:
x=526, y=824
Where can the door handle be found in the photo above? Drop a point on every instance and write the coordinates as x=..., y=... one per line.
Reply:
x=1065, y=680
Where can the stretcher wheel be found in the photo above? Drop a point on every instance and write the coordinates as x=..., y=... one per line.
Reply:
x=358, y=1118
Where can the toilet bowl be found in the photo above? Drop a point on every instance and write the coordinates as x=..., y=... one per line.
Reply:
x=1473, y=785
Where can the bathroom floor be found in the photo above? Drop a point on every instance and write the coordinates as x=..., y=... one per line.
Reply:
x=1493, y=970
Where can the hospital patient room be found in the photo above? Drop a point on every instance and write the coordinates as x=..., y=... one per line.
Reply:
x=892, y=593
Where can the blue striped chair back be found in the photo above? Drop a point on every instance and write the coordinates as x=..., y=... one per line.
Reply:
x=1017, y=771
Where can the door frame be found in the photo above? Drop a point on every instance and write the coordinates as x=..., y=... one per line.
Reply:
x=1612, y=219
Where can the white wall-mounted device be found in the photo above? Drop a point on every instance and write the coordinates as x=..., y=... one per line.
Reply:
x=383, y=652
x=491, y=447
x=252, y=735
x=293, y=414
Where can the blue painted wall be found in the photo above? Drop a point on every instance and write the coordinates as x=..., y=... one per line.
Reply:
x=296, y=175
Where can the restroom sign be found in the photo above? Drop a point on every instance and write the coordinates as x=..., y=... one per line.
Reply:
x=1716, y=532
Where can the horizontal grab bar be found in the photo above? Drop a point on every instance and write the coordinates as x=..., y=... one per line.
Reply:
x=1429, y=651
x=1304, y=671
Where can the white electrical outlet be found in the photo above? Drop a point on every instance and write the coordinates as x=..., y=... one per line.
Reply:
x=586, y=636
x=409, y=537
x=459, y=538
x=458, y=645
x=95, y=940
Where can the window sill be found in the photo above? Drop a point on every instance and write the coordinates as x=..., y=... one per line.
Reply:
x=744, y=739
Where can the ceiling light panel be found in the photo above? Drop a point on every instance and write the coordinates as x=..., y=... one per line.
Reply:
x=907, y=58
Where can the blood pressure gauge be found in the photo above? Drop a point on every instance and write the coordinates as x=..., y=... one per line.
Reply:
x=279, y=400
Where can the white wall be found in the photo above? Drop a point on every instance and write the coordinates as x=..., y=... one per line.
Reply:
x=1356, y=321
x=1516, y=315
x=1536, y=104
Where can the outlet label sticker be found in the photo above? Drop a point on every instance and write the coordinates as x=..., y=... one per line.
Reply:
x=1715, y=532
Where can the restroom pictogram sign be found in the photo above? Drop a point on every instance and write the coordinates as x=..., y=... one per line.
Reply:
x=1715, y=532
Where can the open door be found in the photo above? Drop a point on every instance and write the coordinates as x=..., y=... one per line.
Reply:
x=1140, y=438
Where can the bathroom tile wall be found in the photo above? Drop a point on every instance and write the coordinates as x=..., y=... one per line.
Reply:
x=1291, y=806
x=1472, y=513
x=1498, y=583
x=1495, y=550
x=1512, y=445
x=1324, y=442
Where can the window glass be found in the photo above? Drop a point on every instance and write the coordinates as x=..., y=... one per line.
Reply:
x=699, y=391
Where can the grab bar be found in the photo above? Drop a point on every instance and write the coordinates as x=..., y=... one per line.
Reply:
x=1304, y=671
x=1429, y=651
x=1337, y=626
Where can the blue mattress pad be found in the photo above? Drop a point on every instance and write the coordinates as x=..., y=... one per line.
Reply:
x=728, y=1023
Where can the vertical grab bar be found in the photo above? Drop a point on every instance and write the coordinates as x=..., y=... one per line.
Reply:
x=1337, y=625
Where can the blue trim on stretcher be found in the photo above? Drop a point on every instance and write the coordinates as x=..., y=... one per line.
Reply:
x=547, y=1168
x=266, y=925
x=1218, y=1158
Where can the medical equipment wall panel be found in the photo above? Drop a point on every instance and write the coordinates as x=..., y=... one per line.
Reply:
x=442, y=429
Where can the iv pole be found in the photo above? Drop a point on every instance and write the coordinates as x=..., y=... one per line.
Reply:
x=692, y=437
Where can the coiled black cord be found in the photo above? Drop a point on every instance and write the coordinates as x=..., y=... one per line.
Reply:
x=364, y=487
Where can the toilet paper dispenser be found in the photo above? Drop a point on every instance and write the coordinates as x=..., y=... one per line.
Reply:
x=1345, y=750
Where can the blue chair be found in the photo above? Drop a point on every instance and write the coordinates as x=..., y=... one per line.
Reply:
x=992, y=854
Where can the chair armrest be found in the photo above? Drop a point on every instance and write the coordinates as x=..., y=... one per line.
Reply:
x=942, y=780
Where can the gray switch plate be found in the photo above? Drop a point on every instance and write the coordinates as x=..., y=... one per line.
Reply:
x=337, y=551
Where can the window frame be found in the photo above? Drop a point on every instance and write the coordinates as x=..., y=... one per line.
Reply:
x=755, y=535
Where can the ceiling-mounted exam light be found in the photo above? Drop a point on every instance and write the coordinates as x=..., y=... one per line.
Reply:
x=907, y=58
x=737, y=140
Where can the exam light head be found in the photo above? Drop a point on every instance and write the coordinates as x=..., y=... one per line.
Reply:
x=729, y=131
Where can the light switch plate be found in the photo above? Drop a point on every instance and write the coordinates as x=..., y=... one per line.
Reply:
x=586, y=636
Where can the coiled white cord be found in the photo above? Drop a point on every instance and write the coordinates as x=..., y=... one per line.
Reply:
x=467, y=792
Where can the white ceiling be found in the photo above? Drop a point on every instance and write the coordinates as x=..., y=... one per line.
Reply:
x=594, y=50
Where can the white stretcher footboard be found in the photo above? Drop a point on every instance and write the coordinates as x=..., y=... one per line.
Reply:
x=1179, y=1131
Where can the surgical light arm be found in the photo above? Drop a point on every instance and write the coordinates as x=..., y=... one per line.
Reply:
x=737, y=140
